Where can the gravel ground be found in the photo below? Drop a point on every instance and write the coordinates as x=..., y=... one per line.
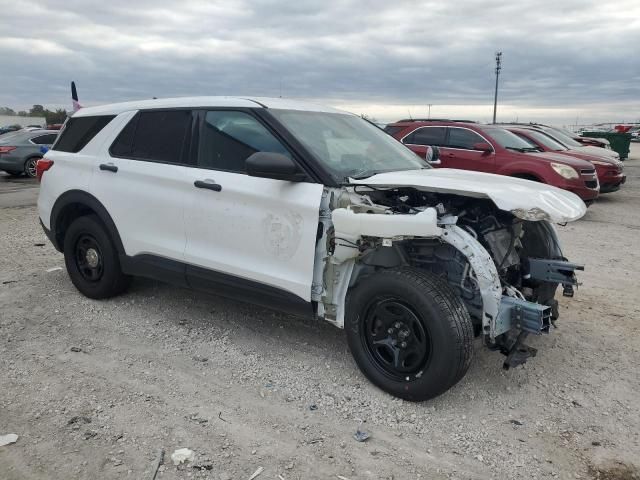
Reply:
x=95, y=389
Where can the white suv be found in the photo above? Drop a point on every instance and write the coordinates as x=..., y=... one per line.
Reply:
x=312, y=211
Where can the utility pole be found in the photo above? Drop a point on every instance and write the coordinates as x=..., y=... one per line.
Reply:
x=495, y=98
x=429, y=115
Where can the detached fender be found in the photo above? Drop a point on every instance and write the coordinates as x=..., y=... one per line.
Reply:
x=74, y=203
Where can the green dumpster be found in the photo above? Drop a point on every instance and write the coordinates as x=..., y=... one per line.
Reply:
x=619, y=141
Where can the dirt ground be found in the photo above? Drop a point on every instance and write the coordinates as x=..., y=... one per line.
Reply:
x=95, y=389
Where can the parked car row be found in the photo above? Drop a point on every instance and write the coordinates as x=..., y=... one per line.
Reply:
x=535, y=152
x=20, y=150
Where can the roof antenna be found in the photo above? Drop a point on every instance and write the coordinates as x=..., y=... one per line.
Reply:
x=410, y=117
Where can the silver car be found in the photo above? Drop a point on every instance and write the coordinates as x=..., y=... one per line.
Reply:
x=20, y=150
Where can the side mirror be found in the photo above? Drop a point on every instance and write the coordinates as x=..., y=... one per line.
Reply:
x=432, y=155
x=483, y=147
x=273, y=165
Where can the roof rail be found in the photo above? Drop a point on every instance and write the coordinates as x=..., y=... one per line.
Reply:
x=433, y=120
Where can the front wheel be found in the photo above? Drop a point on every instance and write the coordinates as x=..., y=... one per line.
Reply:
x=409, y=333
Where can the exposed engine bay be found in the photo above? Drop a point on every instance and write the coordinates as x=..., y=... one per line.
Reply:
x=505, y=268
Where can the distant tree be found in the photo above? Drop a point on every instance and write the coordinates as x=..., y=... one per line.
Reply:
x=22, y=113
x=59, y=116
x=7, y=111
x=37, y=111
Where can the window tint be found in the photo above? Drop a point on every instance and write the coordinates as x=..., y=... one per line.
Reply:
x=462, y=138
x=47, y=139
x=433, y=136
x=157, y=136
x=77, y=132
x=228, y=138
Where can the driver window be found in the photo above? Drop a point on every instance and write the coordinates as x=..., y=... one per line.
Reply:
x=463, y=138
x=228, y=138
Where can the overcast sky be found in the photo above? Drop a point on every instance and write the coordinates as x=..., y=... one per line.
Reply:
x=562, y=59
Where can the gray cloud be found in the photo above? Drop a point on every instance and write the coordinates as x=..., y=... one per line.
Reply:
x=570, y=54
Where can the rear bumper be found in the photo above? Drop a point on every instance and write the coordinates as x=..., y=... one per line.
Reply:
x=50, y=236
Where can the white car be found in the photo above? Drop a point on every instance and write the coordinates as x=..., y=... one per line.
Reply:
x=313, y=211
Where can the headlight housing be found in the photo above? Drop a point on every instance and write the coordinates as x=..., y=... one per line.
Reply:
x=603, y=164
x=565, y=171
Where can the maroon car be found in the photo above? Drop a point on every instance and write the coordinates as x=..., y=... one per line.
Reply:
x=610, y=172
x=492, y=149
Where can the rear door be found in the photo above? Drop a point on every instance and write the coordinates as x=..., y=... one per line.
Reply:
x=141, y=181
x=250, y=232
x=459, y=152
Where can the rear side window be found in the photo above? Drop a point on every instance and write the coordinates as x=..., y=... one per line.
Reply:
x=433, y=136
x=79, y=131
x=47, y=139
x=463, y=138
x=157, y=136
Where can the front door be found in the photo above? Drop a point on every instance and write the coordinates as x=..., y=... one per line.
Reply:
x=256, y=233
x=459, y=152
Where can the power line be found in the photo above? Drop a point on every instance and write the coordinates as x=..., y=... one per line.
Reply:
x=495, y=97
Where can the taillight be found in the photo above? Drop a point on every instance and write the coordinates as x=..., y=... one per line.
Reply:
x=6, y=149
x=42, y=166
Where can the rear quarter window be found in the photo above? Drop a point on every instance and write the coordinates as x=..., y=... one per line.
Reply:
x=79, y=131
x=392, y=130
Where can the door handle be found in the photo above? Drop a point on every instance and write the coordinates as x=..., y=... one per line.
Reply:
x=110, y=167
x=208, y=184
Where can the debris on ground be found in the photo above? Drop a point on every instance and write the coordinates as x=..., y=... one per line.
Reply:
x=313, y=407
x=256, y=473
x=516, y=422
x=204, y=466
x=158, y=462
x=76, y=349
x=54, y=269
x=361, y=436
x=8, y=439
x=199, y=358
x=77, y=419
x=182, y=455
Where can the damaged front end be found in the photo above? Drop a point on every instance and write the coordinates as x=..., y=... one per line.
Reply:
x=505, y=266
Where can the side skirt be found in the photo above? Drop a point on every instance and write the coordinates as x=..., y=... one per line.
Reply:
x=217, y=283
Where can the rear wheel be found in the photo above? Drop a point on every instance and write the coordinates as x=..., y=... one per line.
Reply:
x=30, y=167
x=409, y=333
x=92, y=259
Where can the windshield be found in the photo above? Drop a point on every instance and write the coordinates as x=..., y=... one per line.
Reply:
x=547, y=141
x=347, y=145
x=510, y=141
x=566, y=140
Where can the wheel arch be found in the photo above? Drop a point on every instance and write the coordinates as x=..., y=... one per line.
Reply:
x=74, y=204
x=528, y=176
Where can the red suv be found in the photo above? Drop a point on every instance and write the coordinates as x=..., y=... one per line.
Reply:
x=610, y=171
x=492, y=149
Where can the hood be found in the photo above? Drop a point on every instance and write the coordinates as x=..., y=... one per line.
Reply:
x=604, y=152
x=577, y=163
x=523, y=198
x=592, y=157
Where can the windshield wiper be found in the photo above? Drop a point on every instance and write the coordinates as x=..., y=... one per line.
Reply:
x=523, y=149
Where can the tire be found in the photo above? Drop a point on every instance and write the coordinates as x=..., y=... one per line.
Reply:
x=30, y=167
x=92, y=259
x=437, y=351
